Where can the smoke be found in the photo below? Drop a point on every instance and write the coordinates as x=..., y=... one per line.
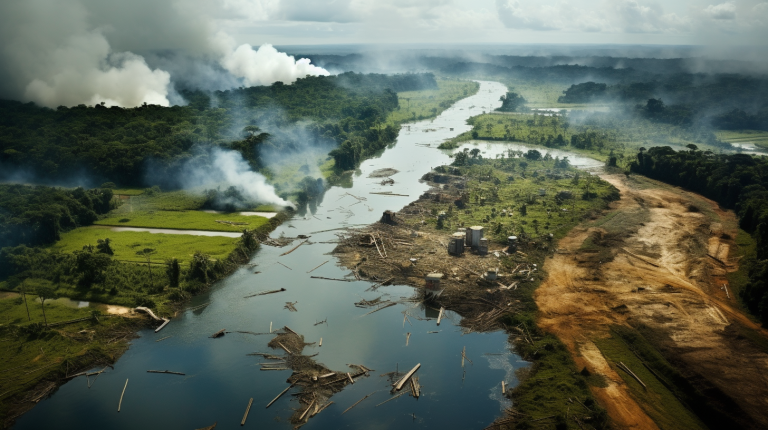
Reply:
x=265, y=65
x=70, y=52
x=226, y=167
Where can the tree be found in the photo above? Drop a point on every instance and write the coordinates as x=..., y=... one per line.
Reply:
x=23, y=290
x=103, y=246
x=45, y=292
x=173, y=270
x=147, y=253
x=533, y=155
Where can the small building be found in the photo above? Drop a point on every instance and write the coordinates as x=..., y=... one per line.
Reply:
x=456, y=245
x=432, y=282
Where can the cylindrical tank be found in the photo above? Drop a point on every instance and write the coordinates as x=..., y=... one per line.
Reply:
x=512, y=243
x=482, y=247
x=476, y=233
x=456, y=246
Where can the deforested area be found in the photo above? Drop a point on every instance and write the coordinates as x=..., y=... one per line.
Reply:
x=332, y=214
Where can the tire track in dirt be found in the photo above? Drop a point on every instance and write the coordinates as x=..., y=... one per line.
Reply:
x=660, y=261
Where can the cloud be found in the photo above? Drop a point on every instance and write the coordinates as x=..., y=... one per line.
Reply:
x=317, y=10
x=534, y=17
x=722, y=11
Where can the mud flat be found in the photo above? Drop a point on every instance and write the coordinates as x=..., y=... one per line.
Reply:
x=646, y=283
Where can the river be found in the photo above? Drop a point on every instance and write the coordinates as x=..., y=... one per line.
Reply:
x=221, y=378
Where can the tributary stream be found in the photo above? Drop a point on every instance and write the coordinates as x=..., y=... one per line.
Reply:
x=221, y=378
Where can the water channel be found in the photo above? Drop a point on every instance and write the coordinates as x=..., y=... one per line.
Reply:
x=220, y=377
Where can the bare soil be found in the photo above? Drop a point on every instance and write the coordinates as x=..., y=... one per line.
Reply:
x=659, y=263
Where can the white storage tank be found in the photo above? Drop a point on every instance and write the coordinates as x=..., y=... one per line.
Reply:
x=475, y=234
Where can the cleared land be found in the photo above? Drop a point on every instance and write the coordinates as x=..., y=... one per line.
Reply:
x=646, y=285
x=758, y=138
x=126, y=244
x=184, y=220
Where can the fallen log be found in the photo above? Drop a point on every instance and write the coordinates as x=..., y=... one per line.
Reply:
x=356, y=403
x=333, y=279
x=248, y=409
x=279, y=395
x=165, y=371
x=219, y=333
x=119, y=405
x=262, y=293
x=399, y=384
x=294, y=248
x=392, y=398
x=440, y=315
x=318, y=266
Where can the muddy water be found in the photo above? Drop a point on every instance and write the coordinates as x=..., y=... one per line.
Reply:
x=220, y=377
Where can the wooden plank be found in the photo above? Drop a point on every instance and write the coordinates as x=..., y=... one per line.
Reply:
x=294, y=248
x=279, y=395
x=440, y=315
x=399, y=384
x=248, y=409
x=119, y=405
x=317, y=267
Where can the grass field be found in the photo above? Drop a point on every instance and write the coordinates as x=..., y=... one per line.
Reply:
x=128, y=191
x=758, y=138
x=418, y=105
x=183, y=220
x=125, y=244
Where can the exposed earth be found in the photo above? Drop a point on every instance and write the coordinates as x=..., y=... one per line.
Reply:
x=657, y=262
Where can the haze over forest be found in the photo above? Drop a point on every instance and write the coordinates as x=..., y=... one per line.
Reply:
x=524, y=214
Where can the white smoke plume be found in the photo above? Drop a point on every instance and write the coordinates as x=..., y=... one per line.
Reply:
x=265, y=65
x=69, y=52
x=230, y=168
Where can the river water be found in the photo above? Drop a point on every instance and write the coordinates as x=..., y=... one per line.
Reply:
x=221, y=378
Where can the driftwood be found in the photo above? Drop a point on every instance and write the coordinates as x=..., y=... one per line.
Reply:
x=294, y=248
x=279, y=395
x=392, y=398
x=333, y=279
x=219, y=333
x=284, y=265
x=318, y=266
x=163, y=338
x=389, y=193
x=248, y=409
x=165, y=371
x=381, y=307
x=119, y=405
x=356, y=403
x=440, y=315
x=261, y=293
x=399, y=384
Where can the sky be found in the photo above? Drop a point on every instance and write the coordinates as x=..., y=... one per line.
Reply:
x=68, y=52
x=675, y=22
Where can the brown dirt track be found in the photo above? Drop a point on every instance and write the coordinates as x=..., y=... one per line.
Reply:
x=664, y=255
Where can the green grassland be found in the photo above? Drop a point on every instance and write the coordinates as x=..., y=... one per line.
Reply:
x=757, y=137
x=128, y=191
x=418, y=105
x=183, y=220
x=623, y=137
x=126, y=244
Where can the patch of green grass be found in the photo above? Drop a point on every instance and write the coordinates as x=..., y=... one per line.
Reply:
x=183, y=220
x=128, y=191
x=126, y=244
x=165, y=201
x=418, y=105
x=756, y=137
x=32, y=354
x=744, y=252
x=657, y=400
x=265, y=208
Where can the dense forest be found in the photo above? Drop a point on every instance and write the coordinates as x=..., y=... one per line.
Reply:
x=38, y=215
x=736, y=181
x=119, y=145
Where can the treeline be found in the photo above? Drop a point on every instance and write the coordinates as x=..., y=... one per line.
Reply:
x=731, y=102
x=737, y=181
x=38, y=215
x=121, y=145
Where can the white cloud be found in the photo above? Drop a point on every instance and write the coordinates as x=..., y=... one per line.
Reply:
x=723, y=11
x=317, y=10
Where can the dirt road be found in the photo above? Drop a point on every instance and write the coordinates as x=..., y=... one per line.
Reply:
x=658, y=260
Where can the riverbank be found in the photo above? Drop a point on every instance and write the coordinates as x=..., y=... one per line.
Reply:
x=502, y=195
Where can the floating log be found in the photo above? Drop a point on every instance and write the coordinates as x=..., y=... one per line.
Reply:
x=415, y=387
x=503, y=388
x=321, y=342
x=274, y=368
x=333, y=279
x=326, y=375
x=389, y=193
x=301, y=418
x=380, y=308
x=209, y=427
x=440, y=315
x=165, y=323
x=407, y=338
x=392, y=398
x=119, y=405
x=318, y=266
x=284, y=265
x=286, y=349
x=261, y=293
x=279, y=395
x=289, y=329
x=356, y=403
x=294, y=248
x=248, y=409
x=165, y=371
x=322, y=409
x=163, y=338
x=219, y=333
x=399, y=384
x=350, y=378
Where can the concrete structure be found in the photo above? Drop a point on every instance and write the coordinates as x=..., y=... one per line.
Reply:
x=475, y=233
x=432, y=282
x=491, y=274
x=512, y=244
x=456, y=245
x=482, y=247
